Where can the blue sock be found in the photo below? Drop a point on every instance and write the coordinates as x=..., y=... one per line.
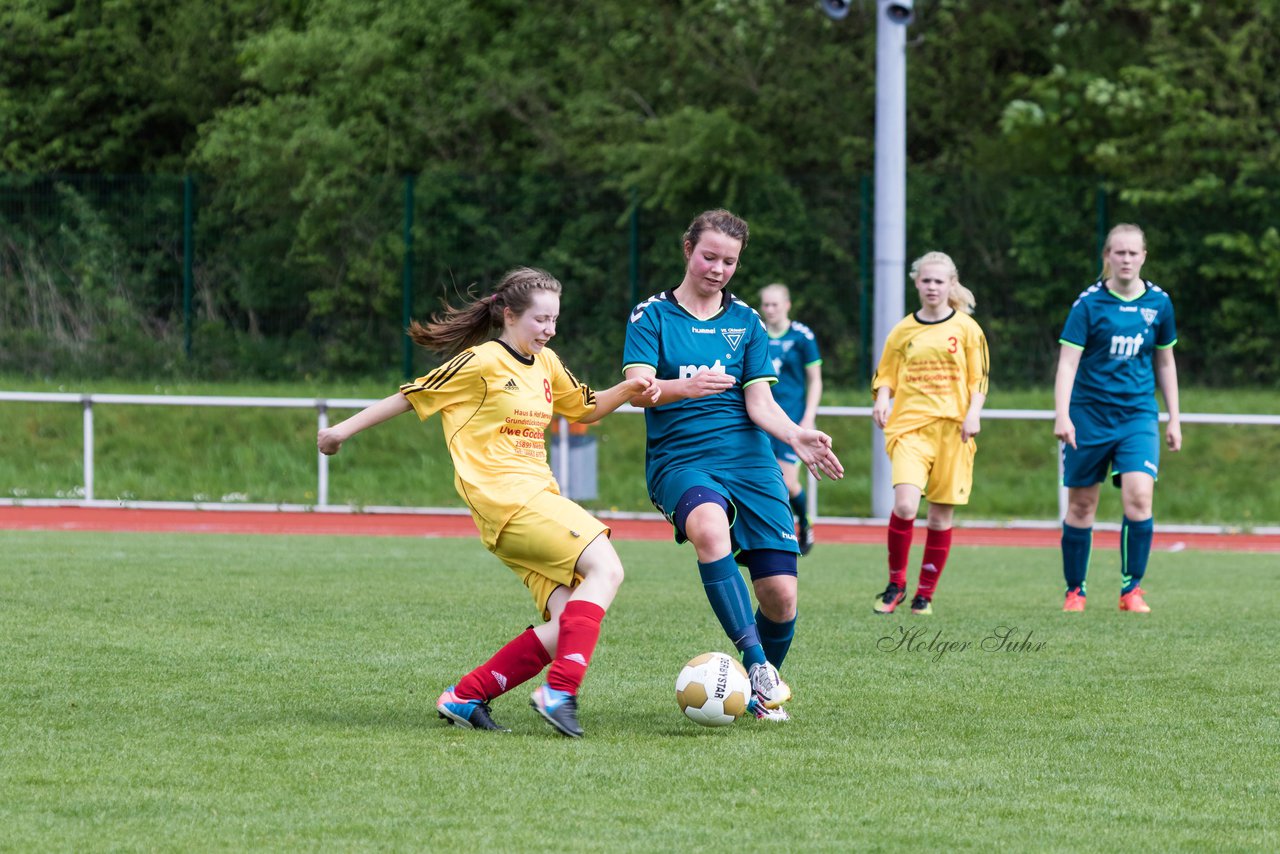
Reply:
x=1135, y=548
x=731, y=600
x=798, y=507
x=1077, y=548
x=775, y=638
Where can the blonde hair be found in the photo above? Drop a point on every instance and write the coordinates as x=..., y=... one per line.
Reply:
x=959, y=297
x=1123, y=227
x=779, y=288
x=473, y=323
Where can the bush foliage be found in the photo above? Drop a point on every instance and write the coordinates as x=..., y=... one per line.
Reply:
x=582, y=138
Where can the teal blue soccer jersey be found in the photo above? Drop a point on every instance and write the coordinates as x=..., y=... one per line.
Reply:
x=715, y=431
x=1118, y=338
x=792, y=352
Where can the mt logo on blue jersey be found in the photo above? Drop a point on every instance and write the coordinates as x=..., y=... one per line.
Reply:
x=688, y=371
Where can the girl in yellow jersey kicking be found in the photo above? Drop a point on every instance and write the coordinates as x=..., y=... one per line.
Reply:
x=495, y=398
x=929, y=388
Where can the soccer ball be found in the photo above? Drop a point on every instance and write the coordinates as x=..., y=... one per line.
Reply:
x=713, y=689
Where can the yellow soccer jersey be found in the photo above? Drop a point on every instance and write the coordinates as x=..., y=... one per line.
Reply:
x=932, y=370
x=494, y=406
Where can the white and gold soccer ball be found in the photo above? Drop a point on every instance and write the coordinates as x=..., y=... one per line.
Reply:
x=713, y=689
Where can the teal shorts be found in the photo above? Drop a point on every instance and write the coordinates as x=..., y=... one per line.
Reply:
x=783, y=452
x=759, y=510
x=1110, y=442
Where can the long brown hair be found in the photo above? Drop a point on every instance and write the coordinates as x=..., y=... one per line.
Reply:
x=474, y=322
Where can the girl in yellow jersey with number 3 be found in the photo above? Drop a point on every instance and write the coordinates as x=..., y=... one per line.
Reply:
x=930, y=387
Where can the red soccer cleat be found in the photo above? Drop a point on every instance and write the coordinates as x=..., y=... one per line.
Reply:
x=1133, y=601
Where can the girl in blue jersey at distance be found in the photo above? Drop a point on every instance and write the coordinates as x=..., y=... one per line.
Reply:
x=1117, y=347
x=796, y=359
x=708, y=463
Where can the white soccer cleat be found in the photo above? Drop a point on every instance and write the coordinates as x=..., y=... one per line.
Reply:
x=767, y=686
x=762, y=713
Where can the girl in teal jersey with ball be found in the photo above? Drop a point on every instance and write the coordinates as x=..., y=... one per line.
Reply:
x=708, y=463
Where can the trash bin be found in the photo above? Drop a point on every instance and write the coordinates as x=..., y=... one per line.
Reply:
x=576, y=470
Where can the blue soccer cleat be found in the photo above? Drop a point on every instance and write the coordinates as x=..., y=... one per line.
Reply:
x=468, y=714
x=560, y=708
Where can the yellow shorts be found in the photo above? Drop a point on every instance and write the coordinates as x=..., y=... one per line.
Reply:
x=934, y=459
x=543, y=541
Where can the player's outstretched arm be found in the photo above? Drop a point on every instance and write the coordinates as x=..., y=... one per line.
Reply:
x=812, y=446
x=812, y=395
x=701, y=384
x=330, y=439
x=640, y=388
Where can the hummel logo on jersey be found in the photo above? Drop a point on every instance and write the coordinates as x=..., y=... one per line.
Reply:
x=499, y=678
x=576, y=657
x=511, y=386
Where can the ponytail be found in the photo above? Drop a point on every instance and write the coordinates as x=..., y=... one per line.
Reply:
x=456, y=329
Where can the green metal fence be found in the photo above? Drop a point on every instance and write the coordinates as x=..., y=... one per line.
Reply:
x=174, y=275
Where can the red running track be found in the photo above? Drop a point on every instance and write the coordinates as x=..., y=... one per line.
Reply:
x=416, y=525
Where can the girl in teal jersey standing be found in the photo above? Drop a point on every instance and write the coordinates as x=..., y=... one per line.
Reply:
x=1117, y=347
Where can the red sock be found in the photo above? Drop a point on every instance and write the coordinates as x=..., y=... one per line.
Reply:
x=937, y=545
x=579, y=631
x=520, y=660
x=900, y=531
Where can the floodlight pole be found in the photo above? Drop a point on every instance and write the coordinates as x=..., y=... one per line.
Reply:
x=892, y=19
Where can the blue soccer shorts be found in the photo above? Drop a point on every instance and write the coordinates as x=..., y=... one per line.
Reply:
x=783, y=452
x=759, y=510
x=1110, y=444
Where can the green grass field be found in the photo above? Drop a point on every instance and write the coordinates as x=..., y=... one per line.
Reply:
x=198, y=692
x=268, y=456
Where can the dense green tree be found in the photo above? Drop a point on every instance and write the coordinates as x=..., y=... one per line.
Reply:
x=95, y=86
x=535, y=132
x=1183, y=131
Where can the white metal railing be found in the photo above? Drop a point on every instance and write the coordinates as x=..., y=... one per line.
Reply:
x=561, y=459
